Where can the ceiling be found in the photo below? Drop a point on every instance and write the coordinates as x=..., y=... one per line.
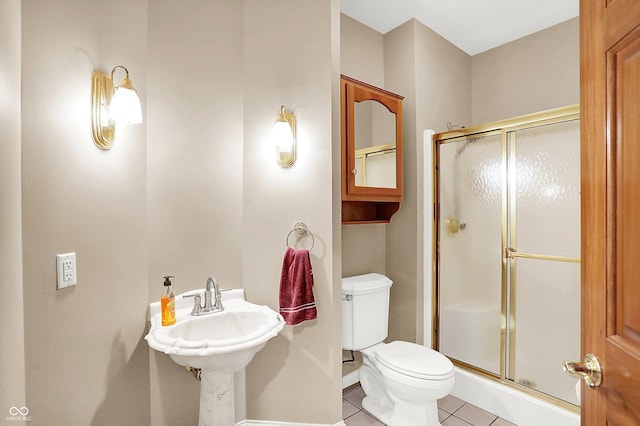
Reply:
x=472, y=25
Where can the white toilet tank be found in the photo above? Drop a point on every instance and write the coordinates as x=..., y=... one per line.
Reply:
x=365, y=310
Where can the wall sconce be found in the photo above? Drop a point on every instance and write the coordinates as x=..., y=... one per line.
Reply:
x=112, y=106
x=284, y=138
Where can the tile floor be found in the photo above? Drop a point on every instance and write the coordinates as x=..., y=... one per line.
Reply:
x=451, y=412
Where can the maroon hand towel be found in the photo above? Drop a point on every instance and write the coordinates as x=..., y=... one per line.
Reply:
x=297, y=303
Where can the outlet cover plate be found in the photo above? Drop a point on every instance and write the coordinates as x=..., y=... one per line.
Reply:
x=66, y=270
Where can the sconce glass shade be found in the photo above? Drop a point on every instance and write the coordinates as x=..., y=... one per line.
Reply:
x=109, y=108
x=125, y=105
x=284, y=138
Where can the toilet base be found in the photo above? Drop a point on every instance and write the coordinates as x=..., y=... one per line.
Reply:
x=396, y=414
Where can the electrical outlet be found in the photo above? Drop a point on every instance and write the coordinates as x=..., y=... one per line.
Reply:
x=66, y=267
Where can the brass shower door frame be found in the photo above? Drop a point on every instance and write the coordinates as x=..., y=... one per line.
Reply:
x=506, y=129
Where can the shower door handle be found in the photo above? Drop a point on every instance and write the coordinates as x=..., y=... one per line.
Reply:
x=589, y=370
x=511, y=253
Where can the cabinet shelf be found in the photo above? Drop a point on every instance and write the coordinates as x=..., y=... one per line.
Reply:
x=355, y=212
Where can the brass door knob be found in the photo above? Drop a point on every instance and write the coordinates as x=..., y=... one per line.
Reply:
x=589, y=370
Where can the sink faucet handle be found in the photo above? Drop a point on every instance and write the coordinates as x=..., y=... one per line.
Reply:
x=217, y=302
x=196, y=303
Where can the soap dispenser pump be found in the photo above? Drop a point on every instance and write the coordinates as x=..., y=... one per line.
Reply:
x=168, y=302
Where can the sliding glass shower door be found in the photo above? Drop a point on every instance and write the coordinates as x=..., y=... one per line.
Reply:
x=544, y=255
x=507, y=258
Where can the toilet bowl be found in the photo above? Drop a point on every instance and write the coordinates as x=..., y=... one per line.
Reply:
x=402, y=381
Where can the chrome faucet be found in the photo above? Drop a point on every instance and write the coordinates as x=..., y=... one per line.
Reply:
x=208, y=307
x=217, y=301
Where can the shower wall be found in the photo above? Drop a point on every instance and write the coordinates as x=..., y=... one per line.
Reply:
x=509, y=242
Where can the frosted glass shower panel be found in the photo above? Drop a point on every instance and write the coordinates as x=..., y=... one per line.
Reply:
x=469, y=259
x=547, y=325
x=547, y=181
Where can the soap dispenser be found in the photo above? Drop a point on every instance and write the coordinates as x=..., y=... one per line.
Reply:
x=168, y=303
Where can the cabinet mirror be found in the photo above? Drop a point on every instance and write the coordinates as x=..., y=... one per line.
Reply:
x=375, y=145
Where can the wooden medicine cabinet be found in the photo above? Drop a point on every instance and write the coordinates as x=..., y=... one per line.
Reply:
x=371, y=152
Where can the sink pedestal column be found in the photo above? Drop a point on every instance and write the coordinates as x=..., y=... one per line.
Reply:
x=216, y=399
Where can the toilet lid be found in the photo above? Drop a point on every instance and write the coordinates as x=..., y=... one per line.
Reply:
x=415, y=361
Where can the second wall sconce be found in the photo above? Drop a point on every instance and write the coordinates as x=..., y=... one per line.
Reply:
x=284, y=138
x=111, y=106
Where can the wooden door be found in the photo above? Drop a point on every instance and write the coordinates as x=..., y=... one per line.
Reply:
x=610, y=167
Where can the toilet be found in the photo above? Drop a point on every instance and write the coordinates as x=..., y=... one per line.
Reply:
x=402, y=381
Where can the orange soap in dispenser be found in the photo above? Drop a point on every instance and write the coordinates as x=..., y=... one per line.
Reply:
x=168, y=303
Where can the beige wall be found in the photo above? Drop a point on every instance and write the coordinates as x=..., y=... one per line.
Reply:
x=362, y=57
x=531, y=74
x=401, y=77
x=414, y=58
x=289, y=59
x=12, y=385
x=194, y=153
x=443, y=83
x=361, y=52
x=85, y=358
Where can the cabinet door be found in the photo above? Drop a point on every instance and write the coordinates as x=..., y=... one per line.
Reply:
x=371, y=143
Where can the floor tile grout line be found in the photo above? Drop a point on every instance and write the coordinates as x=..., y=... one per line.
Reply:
x=372, y=416
x=495, y=417
x=347, y=401
x=463, y=421
x=366, y=413
x=352, y=415
x=446, y=417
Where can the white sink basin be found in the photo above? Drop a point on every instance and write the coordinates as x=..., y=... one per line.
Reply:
x=223, y=341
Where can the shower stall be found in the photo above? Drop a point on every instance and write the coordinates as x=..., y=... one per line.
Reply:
x=507, y=251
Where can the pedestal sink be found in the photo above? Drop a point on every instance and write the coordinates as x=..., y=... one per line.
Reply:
x=219, y=344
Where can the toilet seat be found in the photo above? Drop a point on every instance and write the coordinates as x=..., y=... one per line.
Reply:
x=413, y=360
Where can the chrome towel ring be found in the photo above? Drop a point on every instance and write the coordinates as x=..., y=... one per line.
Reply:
x=300, y=228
